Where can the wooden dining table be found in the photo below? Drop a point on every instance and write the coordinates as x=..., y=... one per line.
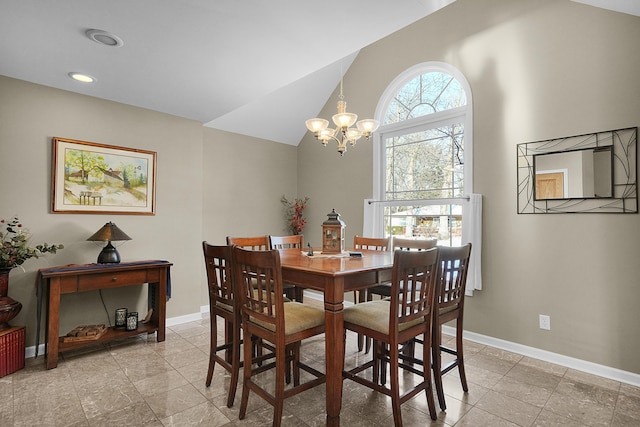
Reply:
x=333, y=275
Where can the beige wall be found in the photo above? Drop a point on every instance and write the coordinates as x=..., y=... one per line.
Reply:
x=244, y=179
x=30, y=116
x=537, y=70
x=203, y=192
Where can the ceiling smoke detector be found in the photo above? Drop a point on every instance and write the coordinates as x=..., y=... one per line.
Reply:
x=104, y=38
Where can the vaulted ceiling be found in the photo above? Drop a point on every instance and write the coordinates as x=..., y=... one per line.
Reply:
x=253, y=67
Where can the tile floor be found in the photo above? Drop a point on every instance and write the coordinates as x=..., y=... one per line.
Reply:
x=139, y=382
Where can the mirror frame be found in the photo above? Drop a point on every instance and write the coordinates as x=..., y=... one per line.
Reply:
x=625, y=190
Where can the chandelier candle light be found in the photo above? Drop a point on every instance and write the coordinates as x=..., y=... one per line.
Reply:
x=343, y=133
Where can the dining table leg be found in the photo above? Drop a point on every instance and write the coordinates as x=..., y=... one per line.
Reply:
x=334, y=348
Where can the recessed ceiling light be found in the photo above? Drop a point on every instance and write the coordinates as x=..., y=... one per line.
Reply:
x=84, y=78
x=104, y=38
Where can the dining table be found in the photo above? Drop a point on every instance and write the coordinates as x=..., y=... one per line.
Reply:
x=333, y=275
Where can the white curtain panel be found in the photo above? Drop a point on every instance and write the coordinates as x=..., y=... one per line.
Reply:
x=372, y=221
x=472, y=232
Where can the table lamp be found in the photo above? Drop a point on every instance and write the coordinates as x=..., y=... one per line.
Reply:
x=109, y=233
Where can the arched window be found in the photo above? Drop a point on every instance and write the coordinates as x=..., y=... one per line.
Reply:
x=427, y=93
x=423, y=156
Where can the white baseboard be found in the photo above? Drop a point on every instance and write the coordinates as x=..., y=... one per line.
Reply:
x=547, y=356
x=173, y=321
x=31, y=351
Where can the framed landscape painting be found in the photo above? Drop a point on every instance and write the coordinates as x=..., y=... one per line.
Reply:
x=95, y=178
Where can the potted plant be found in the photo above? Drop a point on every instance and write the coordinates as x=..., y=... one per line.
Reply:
x=15, y=249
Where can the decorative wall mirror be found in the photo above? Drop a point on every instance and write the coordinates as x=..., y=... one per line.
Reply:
x=594, y=172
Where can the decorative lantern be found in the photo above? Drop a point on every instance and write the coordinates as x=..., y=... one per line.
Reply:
x=333, y=234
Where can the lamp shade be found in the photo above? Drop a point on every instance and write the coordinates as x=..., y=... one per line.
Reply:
x=109, y=233
x=367, y=126
x=317, y=125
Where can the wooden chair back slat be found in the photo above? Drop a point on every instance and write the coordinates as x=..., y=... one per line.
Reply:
x=409, y=244
x=413, y=285
x=453, y=269
x=218, y=267
x=256, y=243
x=371, y=243
x=258, y=277
x=286, y=242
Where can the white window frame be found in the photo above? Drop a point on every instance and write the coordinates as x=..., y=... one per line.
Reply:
x=471, y=203
x=441, y=118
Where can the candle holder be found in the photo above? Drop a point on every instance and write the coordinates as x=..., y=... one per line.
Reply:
x=132, y=321
x=121, y=317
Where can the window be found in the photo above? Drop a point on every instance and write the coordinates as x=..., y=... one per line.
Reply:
x=423, y=163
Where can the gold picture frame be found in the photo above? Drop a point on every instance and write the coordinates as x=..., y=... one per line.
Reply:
x=92, y=178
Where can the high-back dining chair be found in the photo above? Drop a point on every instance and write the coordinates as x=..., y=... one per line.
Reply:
x=260, y=243
x=398, y=243
x=258, y=283
x=408, y=313
x=295, y=242
x=452, y=279
x=222, y=304
x=369, y=244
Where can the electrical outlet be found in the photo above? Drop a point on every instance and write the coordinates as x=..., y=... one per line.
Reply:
x=545, y=322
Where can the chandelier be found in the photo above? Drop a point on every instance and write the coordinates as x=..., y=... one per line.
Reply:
x=343, y=134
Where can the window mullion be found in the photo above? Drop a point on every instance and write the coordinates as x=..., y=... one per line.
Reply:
x=432, y=120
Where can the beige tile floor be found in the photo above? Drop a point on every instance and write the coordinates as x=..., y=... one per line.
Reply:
x=139, y=382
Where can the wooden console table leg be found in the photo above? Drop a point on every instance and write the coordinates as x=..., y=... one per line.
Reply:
x=53, y=323
x=162, y=304
x=159, y=304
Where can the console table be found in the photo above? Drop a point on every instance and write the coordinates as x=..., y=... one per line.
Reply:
x=88, y=277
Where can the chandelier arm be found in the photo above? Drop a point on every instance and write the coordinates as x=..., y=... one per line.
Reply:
x=332, y=137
